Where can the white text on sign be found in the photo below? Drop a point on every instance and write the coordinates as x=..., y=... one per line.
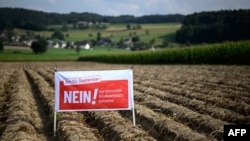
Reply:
x=80, y=96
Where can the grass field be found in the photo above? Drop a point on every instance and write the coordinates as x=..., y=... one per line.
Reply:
x=159, y=32
x=14, y=53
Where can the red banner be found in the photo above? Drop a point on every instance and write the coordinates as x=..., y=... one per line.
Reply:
x=99, y=95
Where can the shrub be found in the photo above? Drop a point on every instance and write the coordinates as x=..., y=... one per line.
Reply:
x=39, y=46
x=1, y=46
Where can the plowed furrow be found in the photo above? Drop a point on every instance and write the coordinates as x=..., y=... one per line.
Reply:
x=49, y=77
x=23, y=120
x=229, y=78
x=4, y=100
x=164, y=128
x=238, y=107
x=196, y=105
x=201, y=123
x=113, y=127
x=71, y=126
x=203, y=87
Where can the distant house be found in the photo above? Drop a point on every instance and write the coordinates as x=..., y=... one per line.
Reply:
x=50, y=43
x=63, y=44
x=28, y=42
x=56, y=44
x=82, y=45
x=3, y=35
x=128, y=42
x=102, y=25
x=81, y=24
x=105, y=41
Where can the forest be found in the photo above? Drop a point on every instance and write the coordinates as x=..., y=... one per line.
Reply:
x=216, y=26
x=37, y=20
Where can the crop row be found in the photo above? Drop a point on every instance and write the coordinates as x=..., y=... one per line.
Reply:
x=24, y=118
x=71, y=126
x=196, y=121
x=4, y=88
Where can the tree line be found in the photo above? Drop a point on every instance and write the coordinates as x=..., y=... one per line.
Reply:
x=37, y=20
x=216, y=26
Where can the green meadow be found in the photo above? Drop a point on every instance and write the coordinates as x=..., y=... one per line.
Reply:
x=117, y=32
x=11, y=53
x=159, y=32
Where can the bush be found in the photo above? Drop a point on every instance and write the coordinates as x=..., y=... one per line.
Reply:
x=1, y=46
x=39, y=46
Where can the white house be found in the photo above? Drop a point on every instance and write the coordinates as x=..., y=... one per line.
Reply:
x=56, y=44
x=82, y=45
x=128, y=42
x=87, y=46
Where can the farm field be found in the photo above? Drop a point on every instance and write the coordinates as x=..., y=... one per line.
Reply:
x=116, y=31
x=172, y=102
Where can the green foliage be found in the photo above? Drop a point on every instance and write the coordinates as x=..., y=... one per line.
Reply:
x=39, y=46
x=57, y=35
x=98, y=36
x=1, y=46
x=136, y=39
x=65, y=27
x=128, y=26
x=218, y=26
x=224, y=53
x=78, y=49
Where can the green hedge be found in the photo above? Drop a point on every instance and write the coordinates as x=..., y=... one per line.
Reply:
x=224, y=53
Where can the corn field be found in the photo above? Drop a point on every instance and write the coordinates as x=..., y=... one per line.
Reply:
x=233, y=53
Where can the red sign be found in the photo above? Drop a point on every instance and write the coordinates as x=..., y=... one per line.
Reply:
x=101, y=95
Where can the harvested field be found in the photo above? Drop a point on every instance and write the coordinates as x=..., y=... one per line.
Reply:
x=172, y=102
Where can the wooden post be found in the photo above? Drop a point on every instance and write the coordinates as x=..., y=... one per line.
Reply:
x=55, y=114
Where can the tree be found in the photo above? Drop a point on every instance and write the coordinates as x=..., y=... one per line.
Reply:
x=57, y=35
x=128, y=26
x=1, y=46
x=78, y=49
x=99, y=36
x=39, y=46
x=152, y=42
x=136, y=39
x=65, y=27
x=138, y=26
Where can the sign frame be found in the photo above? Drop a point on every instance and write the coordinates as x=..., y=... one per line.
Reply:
x=94, y=80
